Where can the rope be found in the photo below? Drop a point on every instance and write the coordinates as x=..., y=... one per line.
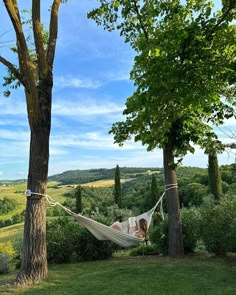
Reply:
x=168, y=187
x=53, y=203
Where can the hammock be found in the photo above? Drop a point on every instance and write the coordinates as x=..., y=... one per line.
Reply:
x=103, y=232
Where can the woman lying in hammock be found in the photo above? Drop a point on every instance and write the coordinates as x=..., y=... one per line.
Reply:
x=140, y=230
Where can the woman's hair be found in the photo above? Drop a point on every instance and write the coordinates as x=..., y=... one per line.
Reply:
x=143, y=225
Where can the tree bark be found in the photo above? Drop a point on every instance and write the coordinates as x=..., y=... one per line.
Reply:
x=174, y=220
x=34, y=264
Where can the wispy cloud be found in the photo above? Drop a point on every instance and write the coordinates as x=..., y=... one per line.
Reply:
x=84, y=108
x=14, y=135
x=75, y=82
x=91, y=141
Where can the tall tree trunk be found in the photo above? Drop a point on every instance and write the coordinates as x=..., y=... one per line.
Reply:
x=214, y=175
x=34, y=264
x=174, y=220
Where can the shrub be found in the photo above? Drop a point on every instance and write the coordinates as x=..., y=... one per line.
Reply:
x=192, y=194
x=218, y=227
x=4, y=264
x=7, y=205
x=7, y=253
x=8, y=249
x=190, y=227
x=67, y=241
x=150, y=249
x=89, y=248
x=62, y=235
x=159, y=234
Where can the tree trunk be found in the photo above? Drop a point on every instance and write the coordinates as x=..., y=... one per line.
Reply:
x=34, y=264
x=174, y=220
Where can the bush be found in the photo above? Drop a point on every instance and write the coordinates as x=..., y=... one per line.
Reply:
x=89, y=248
x=159, y=234
x=7, y=253
x=192, y=194
x=218, y=227
x=7, y=205
x=8, y=249
x=67, y=241
x=62, y=236
x=190, y=227
x=150, y=249
x=4, y=264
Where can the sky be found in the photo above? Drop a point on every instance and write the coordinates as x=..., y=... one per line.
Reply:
x=91, y=85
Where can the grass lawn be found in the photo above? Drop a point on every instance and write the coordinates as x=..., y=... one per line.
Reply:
x=197, y=275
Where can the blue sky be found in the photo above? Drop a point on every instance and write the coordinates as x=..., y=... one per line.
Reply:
x=91, y=85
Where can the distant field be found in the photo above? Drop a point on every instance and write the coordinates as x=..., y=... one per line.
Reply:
x=103, y=183
x=16, y=192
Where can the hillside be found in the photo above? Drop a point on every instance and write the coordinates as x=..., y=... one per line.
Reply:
x=91, y=175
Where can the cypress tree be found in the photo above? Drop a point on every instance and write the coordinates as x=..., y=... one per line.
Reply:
x=214, y=175
x=78, y=196
x=154, y=195
x=117, y=187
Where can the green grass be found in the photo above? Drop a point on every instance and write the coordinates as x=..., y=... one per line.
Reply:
x=137, y=276
x=11, y=233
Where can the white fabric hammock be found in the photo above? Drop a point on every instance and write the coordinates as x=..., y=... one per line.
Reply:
x=104, y=232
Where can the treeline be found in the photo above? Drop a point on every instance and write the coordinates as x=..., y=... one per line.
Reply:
x=85, y=176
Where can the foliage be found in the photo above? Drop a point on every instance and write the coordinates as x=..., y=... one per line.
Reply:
x=176, y=42
x=117, y=188
x=218, y=227
x=192, y=194
x=89, y=248
x=190, y=226
x=78, y=197
x=152, y=196
x=67, y=241
x=4, y=264
x=8, y=249
x=7, y=205
x=191, y=229
x=91, y=175
x=7, y=253
x=159, y=234
x=215, y=185
x=62, y=236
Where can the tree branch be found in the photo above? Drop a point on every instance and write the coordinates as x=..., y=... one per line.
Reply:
x=140, y=20
x=226, y=13
x=53, y=30
x=38, y=37
x=25, y=63
x=12, y=68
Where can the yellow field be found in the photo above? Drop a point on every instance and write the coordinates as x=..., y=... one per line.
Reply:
x=103, y=183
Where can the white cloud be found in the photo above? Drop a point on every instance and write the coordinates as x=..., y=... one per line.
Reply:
x=73, y=82
x=18, y=136
x=87, y=107
x=91, y=141
x=1, y=173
